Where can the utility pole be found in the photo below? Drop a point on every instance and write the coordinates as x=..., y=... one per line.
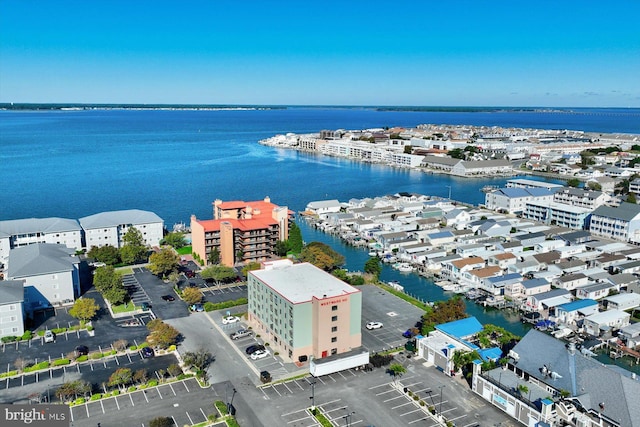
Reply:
x=348, y=418
x=231, y=403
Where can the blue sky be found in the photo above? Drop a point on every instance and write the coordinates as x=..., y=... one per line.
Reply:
x=470, y=53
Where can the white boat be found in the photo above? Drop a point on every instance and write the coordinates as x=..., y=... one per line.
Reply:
x=396, y=285
x=403, y=267
x=373, y=254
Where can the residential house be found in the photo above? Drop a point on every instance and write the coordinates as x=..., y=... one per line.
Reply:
x=595, y=291
x=502, y=260
x=593, y=394
x=547, y=300
x=626, y=301
x=571, y=281
x=323, y=208
x=483, y=167
x=560, y=214
x=514, y=200
x=455, y=269
x=496, y=285
x=569, y=313
x=580, y=197
x=534, y=287
x=605, y=321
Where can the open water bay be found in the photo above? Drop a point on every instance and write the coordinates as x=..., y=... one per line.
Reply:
x=177, y=162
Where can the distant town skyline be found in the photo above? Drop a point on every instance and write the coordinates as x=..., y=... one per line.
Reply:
x=462, y=53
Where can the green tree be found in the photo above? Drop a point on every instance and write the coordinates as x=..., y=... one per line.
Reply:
x=109, y=283
x=443, y=312
x=573, y=182
x=214, y=256
x=120, y=377
x=373, y=266
x=107, y=254
x=218, y=273
x=322, y=256
x=192, y=295
x=250, y=267
x=163, y=262
x=140, y=376
x=295, y=238
x=281, y=248
x=161, y=334
x=397, y=369
x=631, y=198
x=593, y=185
x=456, y=153
x=84, y=309
x=199, y=359
x=134, y=249
x=408, y=149
x=175, y=240
x=73, y=389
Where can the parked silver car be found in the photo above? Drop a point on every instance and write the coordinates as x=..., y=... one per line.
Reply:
x=240, y=333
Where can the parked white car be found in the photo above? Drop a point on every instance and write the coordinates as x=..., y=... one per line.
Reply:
x=374, y=325
x=49, y=336
x=229, y=320
x=260, y=354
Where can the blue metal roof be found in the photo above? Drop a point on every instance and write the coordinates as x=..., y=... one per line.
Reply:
x=461, y=328
x=493, y=353
x=577, y=305
x=534, y=283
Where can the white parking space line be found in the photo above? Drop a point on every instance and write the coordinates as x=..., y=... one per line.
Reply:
x=190, y=420
x=380, y=385
x=457, y=418
x=296, y=383
x=393, y=398
x=131, y=399
x=159, y=394
x=185, y=386
x=102, y=406
x=265, y=394
x=86, y=407
x=385, y=392
x=329, y=402
x=321, y=380
x=287, y=387
x=411, y=412
x=117, y=404
x=400, y=406
x=276, y=390
x=171, y=387
x=203, y=414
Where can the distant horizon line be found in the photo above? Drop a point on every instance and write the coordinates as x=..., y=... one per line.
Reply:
x=433, y=108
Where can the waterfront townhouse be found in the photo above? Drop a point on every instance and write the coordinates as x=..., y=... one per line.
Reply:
x=571, y=312
x=241, y=231
x=563, y=386
x=626, y=301
x=530, y=183
x=514, y=199
x=21, y=232
x=303, y=311
x=454, y=269
x=109, y=228
x=618, y=223
x=630, y=335
x=596, y=291
x=496, y=285
x=534, y=286
x=322, y=208
x=444, y=164
x=50, y=273
x=580, y=197
x=475, y=277
x=547, y=300
x=11, y=308
x=605, y=322
x=634, y=186
x=502, y=259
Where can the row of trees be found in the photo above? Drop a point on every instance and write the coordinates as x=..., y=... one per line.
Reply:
x=133, y=251
x=109, y=283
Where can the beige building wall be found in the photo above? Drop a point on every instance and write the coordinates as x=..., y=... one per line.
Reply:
x=227, y=255
x=331, y=326
x=197, y=238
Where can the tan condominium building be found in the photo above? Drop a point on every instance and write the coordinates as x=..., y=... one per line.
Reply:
x=302, y=311
x=241, y=231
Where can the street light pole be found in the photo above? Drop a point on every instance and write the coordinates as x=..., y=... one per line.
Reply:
x=313, y=392
x=348, y=418
x=440, y=408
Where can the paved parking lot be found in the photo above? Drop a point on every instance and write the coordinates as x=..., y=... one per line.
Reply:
x=184, y=401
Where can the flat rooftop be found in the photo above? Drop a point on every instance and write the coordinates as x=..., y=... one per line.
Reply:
x=299, y=283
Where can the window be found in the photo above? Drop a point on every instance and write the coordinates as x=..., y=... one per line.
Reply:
x=334, y=329
x=334, y=351
x=334, y=339
x=334, y=318
x=334, y=308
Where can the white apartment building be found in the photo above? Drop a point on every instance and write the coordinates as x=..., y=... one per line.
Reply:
x=559, y=214
x=618, y=223
x=22, y=232
x=11, y=308
x=50, y=274
x=589, y=199
x=109, y=228
x=514, y=200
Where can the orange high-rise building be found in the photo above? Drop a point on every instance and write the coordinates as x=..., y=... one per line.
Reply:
x=241, y=231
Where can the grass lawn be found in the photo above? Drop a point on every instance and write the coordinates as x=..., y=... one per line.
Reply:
x=185, y=250
x=124, y=270
x=123, y=308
